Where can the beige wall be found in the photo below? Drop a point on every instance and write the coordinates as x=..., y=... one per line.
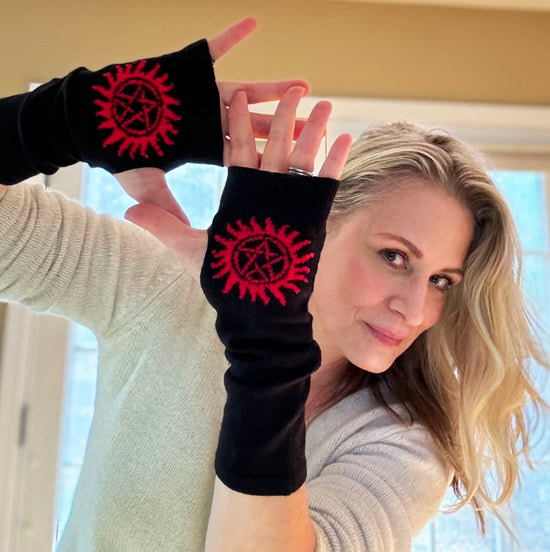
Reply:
x=343, y=48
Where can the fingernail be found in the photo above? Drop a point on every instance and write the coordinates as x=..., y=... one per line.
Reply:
x=298, y=89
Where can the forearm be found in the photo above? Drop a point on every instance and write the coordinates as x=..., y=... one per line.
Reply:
x=258, y=272
x=159, y=112
x=241, y=522
x=260, y=501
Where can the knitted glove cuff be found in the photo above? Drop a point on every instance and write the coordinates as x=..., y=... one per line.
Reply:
x=261, y=446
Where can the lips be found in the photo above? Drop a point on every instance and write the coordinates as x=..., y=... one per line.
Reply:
x=384, y=336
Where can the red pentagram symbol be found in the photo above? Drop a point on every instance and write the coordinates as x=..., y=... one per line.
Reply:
x=137, y=106
x=260, y=259
x=137, y=109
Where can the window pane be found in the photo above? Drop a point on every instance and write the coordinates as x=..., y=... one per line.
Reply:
x=425, y=541
x=536, y=282
x=197, y=188
x=525, y=193
x=532, y=505
x=457, y=532
x=526, y=196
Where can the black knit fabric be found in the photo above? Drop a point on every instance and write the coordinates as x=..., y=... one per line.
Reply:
x=258, y=273
x=160, y=112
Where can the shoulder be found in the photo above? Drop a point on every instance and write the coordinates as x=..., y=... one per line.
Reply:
x=360, y=425
x=372, y=478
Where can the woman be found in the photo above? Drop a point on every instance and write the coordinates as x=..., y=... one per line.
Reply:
x=417, y=307
x=378, y=447
x=473, y=365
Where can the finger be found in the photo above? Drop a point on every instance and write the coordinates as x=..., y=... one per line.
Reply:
x=258, y=92
x=189, y=244
x=164, y=199
x=336, y=158
x=261, y=125
x=148, y=185
x=279, y=141
x=226, y=149
x=223, y=42
x=241, y=137
x=307, y=144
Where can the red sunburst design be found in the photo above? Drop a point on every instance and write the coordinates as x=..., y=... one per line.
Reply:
x=259, y=259
x=136, y=108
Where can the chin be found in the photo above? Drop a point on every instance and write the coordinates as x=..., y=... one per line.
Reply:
x=372, y=365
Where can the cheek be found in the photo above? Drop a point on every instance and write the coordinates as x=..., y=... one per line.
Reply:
x=341, y=285
x=369, y=283
x=433, y=311
x=325, y=296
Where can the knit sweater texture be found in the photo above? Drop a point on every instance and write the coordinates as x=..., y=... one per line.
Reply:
x=147, y=480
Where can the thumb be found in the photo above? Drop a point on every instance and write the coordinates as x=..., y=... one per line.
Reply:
x=188, y=243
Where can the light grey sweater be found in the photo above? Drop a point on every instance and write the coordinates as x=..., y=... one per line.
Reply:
x=147, y=480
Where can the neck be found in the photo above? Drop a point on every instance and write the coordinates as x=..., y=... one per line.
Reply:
x=330, y=384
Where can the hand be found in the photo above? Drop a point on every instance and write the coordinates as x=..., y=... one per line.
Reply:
x=256, y=92
x=279, y=154
x=158, y=212
x=172, y=227
x=148, y=185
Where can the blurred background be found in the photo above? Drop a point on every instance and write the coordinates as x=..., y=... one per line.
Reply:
x=480, y=68
x=498, y=51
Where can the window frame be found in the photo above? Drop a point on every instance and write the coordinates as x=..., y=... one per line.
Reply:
x=33, y=375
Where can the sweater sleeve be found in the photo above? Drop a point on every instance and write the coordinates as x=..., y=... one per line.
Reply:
x=378, y=483
x=57, y=256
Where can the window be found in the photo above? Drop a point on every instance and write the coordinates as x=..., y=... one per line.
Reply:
x=526, y=192
x=518, y=140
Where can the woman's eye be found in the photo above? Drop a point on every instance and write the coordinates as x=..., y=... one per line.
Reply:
x=394, y=258
x=441, y=282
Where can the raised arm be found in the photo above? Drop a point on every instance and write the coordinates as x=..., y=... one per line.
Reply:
x=258, y=273
x=158, y=112
x=153, y=114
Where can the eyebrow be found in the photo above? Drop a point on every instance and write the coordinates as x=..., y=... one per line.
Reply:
x=416, y=251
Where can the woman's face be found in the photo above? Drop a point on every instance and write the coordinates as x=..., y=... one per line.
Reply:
x=384, y=274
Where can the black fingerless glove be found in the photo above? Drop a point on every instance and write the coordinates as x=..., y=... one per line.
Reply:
x=258, y=273
x=159, y=112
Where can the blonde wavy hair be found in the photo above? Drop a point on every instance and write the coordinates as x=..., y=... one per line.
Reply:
x=468, y=377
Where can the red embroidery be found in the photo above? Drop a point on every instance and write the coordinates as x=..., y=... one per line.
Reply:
x=137, y=109
x=258, y=259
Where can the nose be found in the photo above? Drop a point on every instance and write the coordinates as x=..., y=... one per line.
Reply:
x=410, y=301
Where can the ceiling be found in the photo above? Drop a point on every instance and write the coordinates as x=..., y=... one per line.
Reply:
x=521, y=5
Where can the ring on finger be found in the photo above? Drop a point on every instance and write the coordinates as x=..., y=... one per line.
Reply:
x=299, y=172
